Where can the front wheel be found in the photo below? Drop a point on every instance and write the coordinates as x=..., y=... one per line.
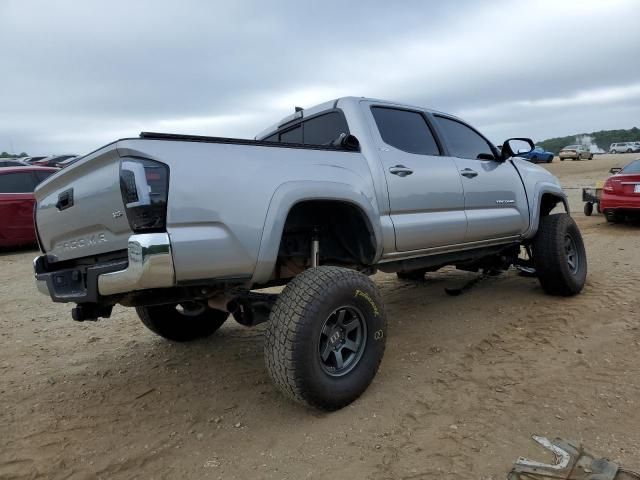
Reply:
x=326, y=337
x=182, y=322
x=559, y=255
x=588, y=209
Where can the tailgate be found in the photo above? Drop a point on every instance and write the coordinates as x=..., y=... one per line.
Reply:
x=80, y=211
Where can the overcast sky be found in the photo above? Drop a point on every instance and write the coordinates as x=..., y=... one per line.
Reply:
x=78, y=74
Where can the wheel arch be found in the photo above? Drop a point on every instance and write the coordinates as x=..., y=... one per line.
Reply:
x=292, y=195
x=545, y=199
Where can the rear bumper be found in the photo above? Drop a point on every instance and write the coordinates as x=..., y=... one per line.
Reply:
x=149, y=264
x=611, y=201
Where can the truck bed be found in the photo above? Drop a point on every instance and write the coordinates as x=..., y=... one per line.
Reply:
x=214, y=231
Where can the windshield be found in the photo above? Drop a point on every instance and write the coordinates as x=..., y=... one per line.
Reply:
x=571, y=146
x=633, y=167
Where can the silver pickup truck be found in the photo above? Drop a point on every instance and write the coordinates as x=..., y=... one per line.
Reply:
x=189, y=229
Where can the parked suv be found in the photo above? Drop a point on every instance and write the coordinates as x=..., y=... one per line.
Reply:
x=186, y=229
x=624, y=147
x=575, y=152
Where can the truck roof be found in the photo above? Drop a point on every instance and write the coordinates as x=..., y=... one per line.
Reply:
x=331, y=104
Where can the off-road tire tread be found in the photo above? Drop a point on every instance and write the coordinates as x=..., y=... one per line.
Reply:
x=548, y=255
x=287, y=323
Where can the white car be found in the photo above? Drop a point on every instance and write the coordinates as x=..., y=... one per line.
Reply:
x=624, y=147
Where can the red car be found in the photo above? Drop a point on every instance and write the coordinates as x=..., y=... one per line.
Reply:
x=621, y=193
x=16, y=203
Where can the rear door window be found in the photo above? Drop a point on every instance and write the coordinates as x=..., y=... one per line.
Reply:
x=463, y=141
x=324, y=129
x=292, y=136
x=18, y=182
x=405, y=130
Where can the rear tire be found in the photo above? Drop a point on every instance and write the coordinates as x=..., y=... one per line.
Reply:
x=612, y=216
x=588, y=209
x=316, y=354
x=412, y=275
x=559, y=255
x=181, y=323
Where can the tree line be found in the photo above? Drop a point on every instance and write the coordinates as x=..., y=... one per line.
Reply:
x=603, y=139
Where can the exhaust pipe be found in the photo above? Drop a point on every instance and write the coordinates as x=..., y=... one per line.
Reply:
x=249, y=309
x=223, y=303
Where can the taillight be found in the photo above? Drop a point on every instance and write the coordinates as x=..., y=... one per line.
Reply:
x=145, y=185
x=613, y=185
x=608, y=186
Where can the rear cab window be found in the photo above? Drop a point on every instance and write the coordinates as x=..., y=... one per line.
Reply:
x=321, y=129
x=324, y=129
x=293, y=135
x=405, y=130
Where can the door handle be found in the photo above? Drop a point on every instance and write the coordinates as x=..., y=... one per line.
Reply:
x=467, y=172
x=401, y=170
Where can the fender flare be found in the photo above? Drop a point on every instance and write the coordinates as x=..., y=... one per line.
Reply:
x=541, y=189
x=291, y=193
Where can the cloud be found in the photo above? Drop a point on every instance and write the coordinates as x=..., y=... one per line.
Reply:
x=598, y=96
x=79, y=74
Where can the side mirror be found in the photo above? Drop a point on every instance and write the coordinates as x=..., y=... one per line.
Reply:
x=516, y=146
x=615, y=170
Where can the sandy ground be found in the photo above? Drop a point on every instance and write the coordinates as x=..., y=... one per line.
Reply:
x=464, y=384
